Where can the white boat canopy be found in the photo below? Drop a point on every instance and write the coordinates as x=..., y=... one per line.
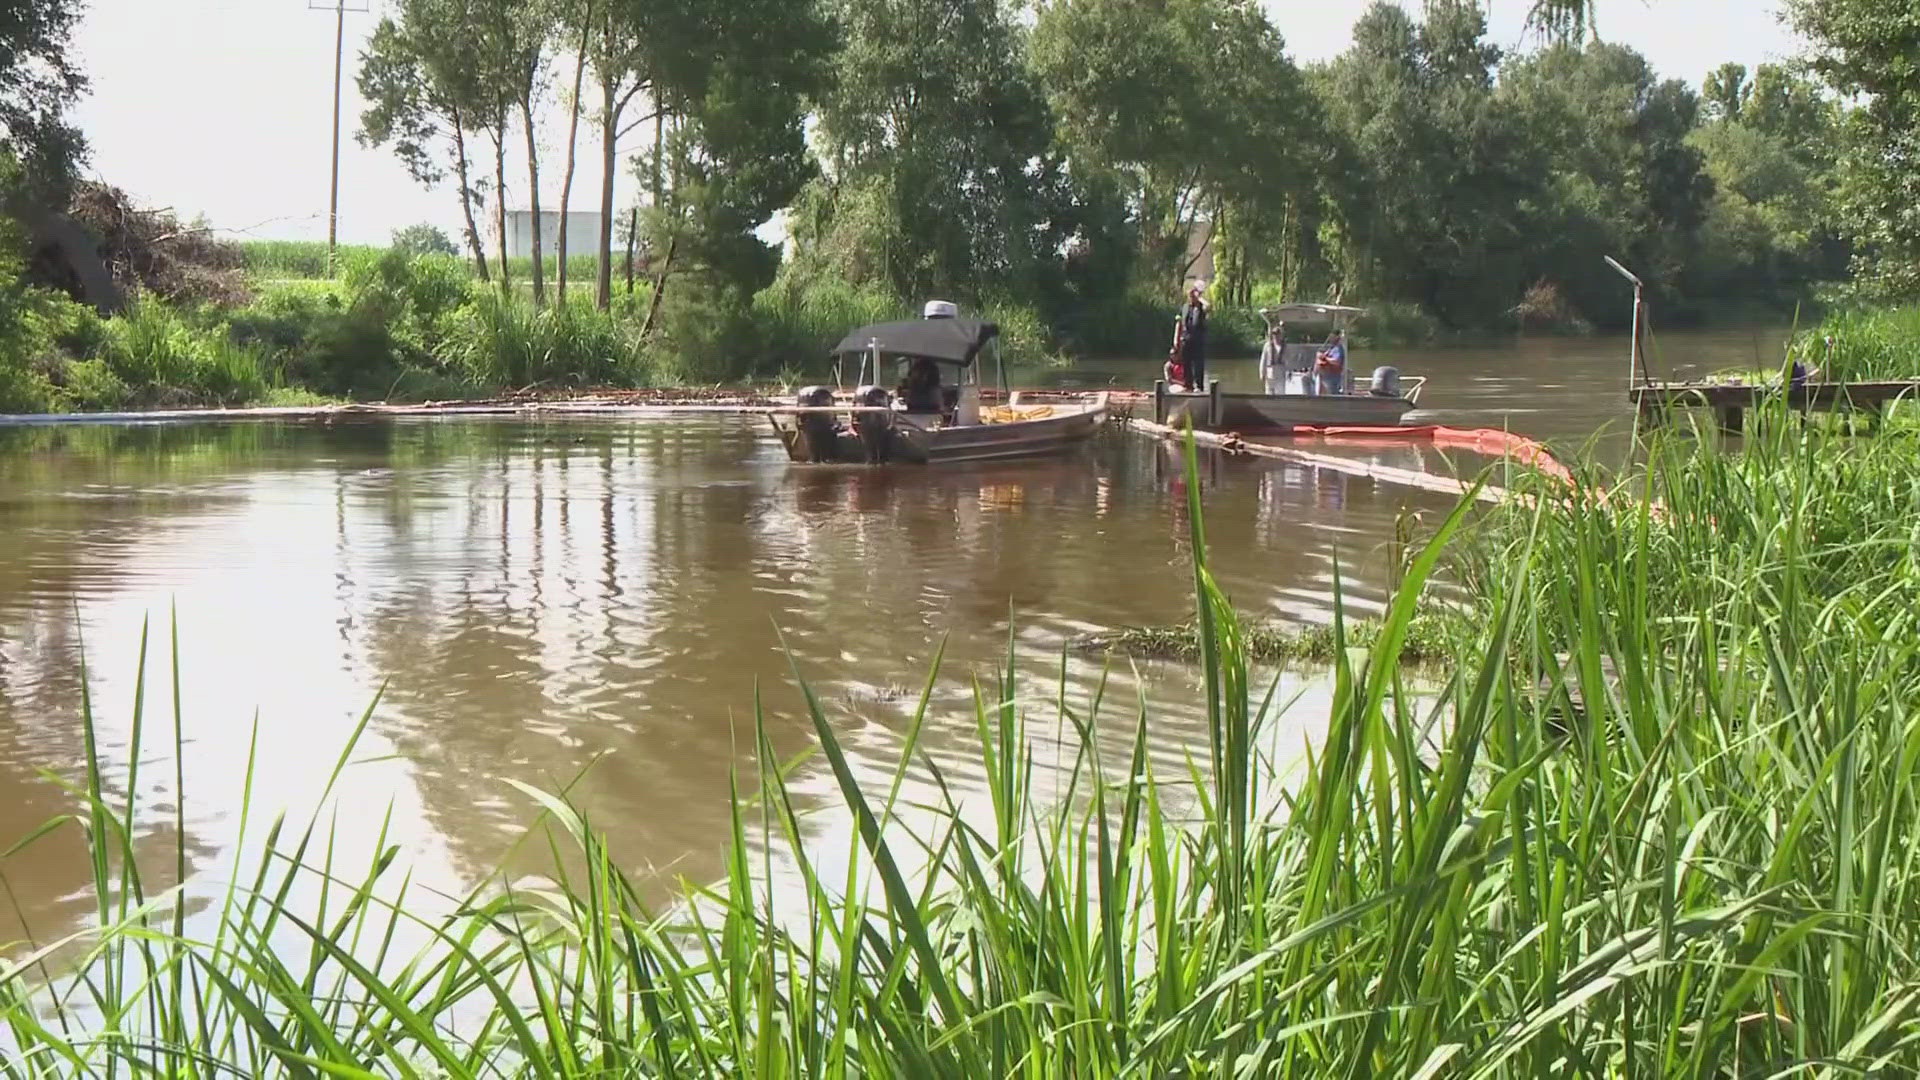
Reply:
x=1311, y=313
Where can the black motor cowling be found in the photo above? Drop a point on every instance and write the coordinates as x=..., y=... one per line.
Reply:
x=817, y=429
x=875, y=430
x=1386, y=382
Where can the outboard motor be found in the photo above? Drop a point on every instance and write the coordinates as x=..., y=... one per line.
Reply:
x=875, y=431
x=940, y=309
x=1386, y=382
x=816, y=429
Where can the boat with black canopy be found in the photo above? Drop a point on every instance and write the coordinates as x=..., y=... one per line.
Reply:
x=934, y=413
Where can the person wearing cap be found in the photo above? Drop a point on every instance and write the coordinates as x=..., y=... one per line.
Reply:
x=1192, y=340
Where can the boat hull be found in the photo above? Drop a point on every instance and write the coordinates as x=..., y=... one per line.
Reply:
x=899, y=438
x=1279, y=412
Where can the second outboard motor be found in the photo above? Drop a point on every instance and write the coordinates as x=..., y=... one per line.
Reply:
x=875, y=431
x=1386, y=382
x=816, y=429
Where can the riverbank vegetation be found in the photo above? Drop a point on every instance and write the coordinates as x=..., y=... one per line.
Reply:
x=1650, y=819
x=1063, y=174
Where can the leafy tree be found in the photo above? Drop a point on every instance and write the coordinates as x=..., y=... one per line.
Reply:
x=1432, y=176
x=425, y=99
x=1791, y=107
x=37, y=82
x=423, y=239
x=935, y=143
x=1191, y=104
x=1868, y=47
x=1773, y=226
x=1724, y=91
x=738, y=151
x=1563, y=21
x=1625, y=179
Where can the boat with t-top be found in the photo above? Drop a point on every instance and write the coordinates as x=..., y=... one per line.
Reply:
x=934, y=414
x=1297, y=388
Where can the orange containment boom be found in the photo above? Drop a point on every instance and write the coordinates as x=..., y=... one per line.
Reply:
x=1481, y=440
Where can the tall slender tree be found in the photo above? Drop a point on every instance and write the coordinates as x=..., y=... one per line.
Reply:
x=579, y=22
x=422, y=94
x=514, y=36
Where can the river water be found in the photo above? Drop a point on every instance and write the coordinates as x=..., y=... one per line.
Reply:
x=594, y=604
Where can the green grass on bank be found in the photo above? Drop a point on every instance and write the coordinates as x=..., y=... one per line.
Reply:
x=1709, y=873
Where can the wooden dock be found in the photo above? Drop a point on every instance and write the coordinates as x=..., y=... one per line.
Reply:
x=1730, y=401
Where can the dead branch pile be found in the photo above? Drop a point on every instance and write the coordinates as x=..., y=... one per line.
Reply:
x=154, y=252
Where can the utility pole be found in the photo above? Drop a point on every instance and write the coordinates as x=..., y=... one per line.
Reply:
x=339, y=9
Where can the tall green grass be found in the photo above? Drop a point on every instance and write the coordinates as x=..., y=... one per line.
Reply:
x=1657, y=819
x=1864, y=344
x=512, y=345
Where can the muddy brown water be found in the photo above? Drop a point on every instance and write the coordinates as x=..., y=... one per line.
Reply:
x=593, y=604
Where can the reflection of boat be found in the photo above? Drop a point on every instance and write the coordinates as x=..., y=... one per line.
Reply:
x=937, y=416
x=1288, y=400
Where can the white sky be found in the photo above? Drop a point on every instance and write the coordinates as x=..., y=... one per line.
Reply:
x=224, y=107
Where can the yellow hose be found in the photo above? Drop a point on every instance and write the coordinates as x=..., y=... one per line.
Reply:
x=1006, y=414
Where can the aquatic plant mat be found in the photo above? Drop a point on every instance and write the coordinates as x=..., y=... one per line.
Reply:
x=1427, y=641
x=1710, y=871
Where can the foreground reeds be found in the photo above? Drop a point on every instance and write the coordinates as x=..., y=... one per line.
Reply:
x=1692, y=853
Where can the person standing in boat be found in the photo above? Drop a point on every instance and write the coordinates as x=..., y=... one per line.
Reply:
x=1330, y=367
x=1273, y=360
x=1192, y=338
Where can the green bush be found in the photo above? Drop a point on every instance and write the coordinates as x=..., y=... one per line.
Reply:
x=388, y=320
x=169, y=359
x=1025, y=337
x=321, y=342
x=92, y=386
x=798, y=324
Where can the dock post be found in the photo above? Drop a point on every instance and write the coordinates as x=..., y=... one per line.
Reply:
x=1733, y=419
x=1159, y=401
x=1214, y=412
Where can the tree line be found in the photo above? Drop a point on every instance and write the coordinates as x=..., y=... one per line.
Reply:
x=1054, y=162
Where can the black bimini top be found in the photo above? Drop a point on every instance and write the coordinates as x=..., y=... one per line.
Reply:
x=949, y=341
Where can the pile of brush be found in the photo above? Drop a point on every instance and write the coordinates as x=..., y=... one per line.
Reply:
x=153, y=252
